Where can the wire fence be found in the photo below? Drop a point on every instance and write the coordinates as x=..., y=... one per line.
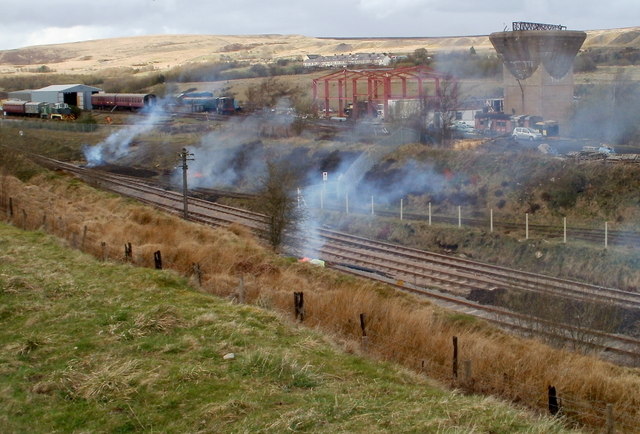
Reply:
x=331, y=197
x=49, y=125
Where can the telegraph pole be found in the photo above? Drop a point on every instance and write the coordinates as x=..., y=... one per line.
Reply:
x=184, y=157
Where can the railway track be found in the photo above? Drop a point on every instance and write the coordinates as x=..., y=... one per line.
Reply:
x=443, y=278
x=478, y=274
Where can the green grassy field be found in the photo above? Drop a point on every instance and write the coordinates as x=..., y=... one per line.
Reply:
x=88, y=346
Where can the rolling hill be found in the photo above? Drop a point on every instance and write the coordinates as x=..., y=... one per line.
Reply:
x=160, y=52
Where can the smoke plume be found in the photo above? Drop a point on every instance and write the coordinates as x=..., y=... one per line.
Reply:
x=117, y=145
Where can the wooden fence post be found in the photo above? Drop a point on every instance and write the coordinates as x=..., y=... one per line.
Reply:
x=241, y=290
x=363, y=327
x=103, y=246
x=554, y=408
x=467, y=372
x=84, y=237
x=610, y=420
x=241, y=294
x=10, y=207
x=128, y=252
x=24, y=219
x=157, y=259
x=363, y=324
x=455, y=357
x=198, y=272
x=298, y=303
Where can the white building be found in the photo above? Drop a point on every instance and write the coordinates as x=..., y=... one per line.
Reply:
x=345, y=60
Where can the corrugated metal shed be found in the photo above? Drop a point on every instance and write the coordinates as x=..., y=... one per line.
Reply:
x=72, y=94
x=22, y=95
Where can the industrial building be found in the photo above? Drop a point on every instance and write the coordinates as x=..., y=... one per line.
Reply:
x=21, y=95
x=72, y=94
x=538, y=69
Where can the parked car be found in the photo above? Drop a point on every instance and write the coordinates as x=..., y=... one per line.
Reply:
x=461, y=129
x=524, y=133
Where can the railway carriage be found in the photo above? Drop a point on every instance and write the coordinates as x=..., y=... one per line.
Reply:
x=14, y=107
x=43, y=110
x=131, y=101
x=219, y=105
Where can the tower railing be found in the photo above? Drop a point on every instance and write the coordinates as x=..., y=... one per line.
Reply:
x=522, y=25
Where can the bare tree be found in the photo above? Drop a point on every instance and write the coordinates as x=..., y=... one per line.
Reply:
x=269, y=91
x=446, y=107
x=436, y=115
x=277, y=199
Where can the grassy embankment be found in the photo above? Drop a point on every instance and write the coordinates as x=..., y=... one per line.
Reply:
x=400, y=328
x=94, y=346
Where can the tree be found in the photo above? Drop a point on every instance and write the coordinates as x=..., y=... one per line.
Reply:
x=439, y=114
x=421, y=57
x=269, y=91
x=448, y=104
x=277, y=199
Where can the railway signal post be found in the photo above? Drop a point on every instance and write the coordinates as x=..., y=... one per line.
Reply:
x=184, y=157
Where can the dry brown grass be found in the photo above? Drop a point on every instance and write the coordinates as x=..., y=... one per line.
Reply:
x=401, y=328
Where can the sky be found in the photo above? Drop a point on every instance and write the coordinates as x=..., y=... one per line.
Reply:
x=37, y=22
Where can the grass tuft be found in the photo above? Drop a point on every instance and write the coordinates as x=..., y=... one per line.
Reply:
x=104, y=380
x=162, y=319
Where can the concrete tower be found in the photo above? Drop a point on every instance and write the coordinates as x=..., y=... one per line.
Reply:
x=538, y=69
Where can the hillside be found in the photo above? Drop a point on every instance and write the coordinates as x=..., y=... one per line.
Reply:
x=87, y=346
x=161, y=52
x=401, y=328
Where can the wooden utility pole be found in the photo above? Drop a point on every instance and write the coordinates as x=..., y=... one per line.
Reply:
x=184, y=157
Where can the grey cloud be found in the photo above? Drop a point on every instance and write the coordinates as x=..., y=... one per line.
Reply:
x=22, y=20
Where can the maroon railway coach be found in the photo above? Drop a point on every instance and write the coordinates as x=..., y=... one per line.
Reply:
x=130, y=101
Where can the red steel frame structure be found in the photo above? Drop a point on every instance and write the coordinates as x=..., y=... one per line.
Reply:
x=380, y=84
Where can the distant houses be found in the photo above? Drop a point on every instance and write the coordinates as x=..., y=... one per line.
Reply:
x=345, y=60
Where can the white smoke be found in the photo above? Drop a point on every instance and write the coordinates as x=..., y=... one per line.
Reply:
x=116, y=146
x=234, y=156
